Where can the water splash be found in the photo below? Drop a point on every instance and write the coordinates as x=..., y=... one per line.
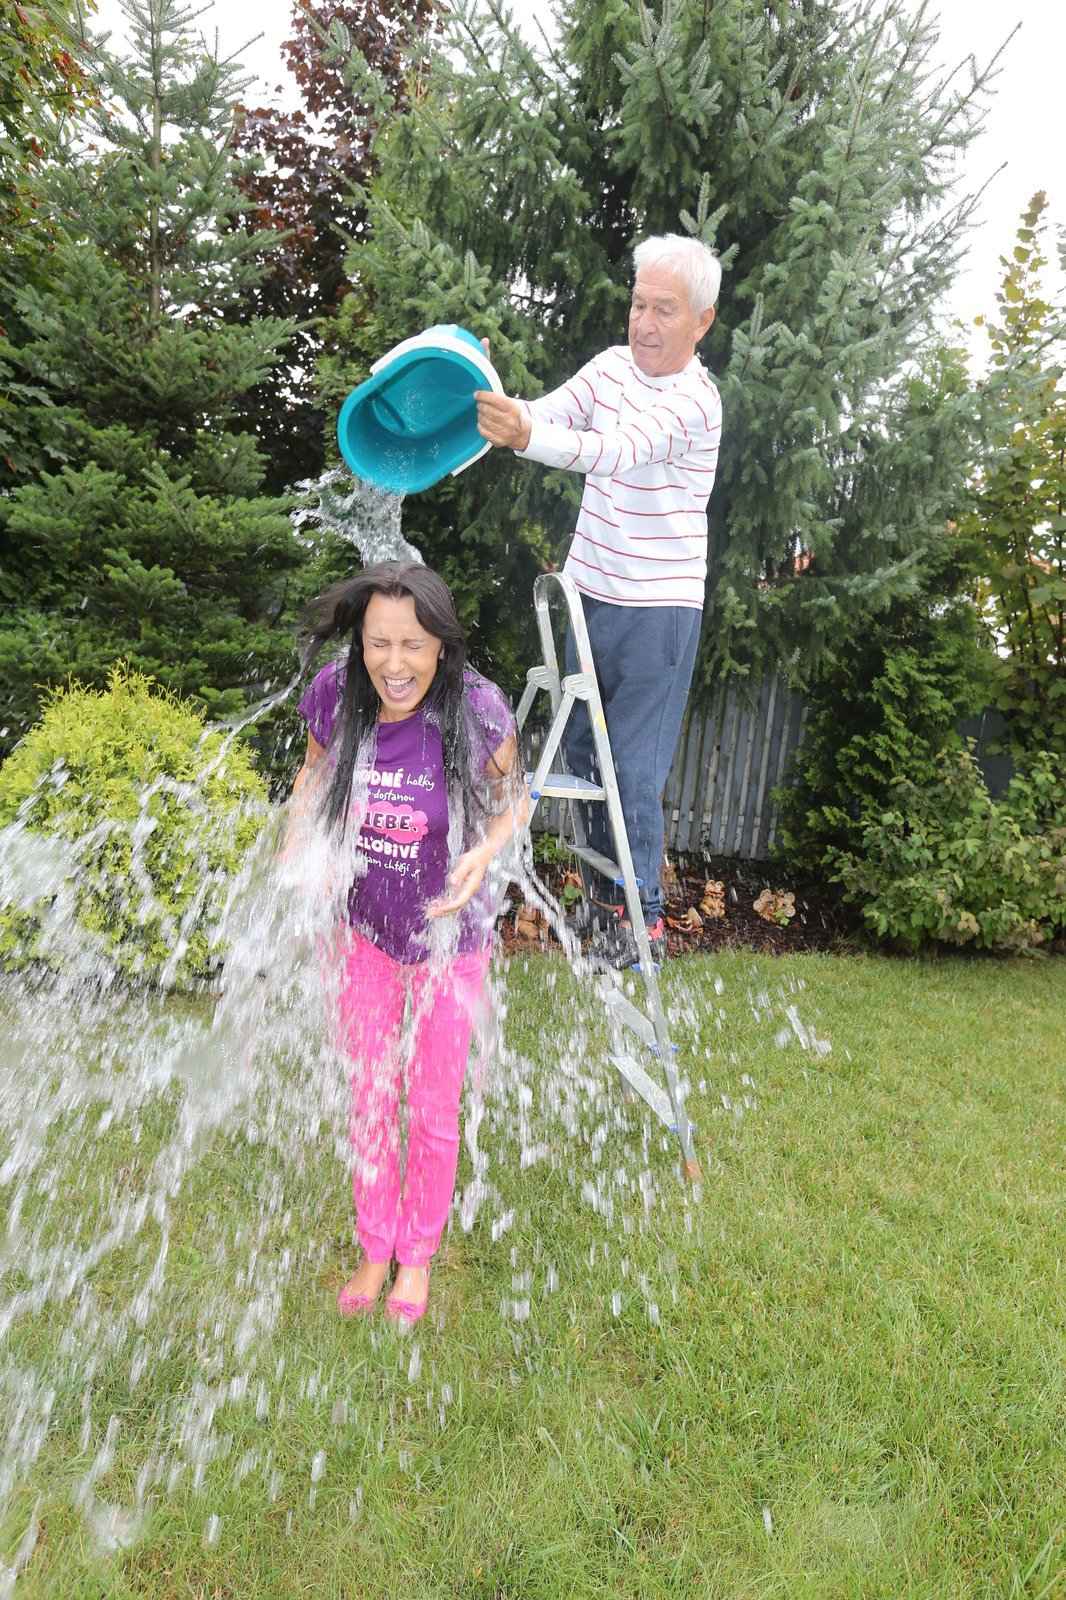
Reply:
x=360, y=513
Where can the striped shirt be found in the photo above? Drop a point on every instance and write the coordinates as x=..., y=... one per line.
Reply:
x=649, y=449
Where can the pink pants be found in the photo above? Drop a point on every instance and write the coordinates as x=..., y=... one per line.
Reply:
x=434, y=1048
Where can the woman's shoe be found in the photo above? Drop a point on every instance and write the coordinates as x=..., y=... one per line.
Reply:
x=407, y=1312
x=353, y=1302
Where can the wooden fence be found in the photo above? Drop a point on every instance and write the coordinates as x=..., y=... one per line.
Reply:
x=731, y=756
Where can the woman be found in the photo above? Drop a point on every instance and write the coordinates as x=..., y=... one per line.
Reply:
x=416, y=751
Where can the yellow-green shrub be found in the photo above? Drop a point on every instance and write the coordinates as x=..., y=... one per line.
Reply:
x=949, y=864
x=156, y=814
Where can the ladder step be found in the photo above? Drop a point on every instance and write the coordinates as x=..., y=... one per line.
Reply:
x=625, y=1012
x=654, y=1097
x=564, y=786
x=599, y=863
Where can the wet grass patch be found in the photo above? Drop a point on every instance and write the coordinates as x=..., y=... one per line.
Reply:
x=836, y=1371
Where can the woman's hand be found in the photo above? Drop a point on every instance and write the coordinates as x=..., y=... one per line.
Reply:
x=303, y=861
x=464, y=882
x=513, y=802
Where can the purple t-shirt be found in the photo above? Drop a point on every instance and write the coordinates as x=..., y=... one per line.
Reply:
x=403, y=836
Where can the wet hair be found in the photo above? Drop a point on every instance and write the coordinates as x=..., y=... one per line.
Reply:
x=692, y=261
x=339, y=614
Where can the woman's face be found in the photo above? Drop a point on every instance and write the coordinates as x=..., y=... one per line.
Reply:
x=400, y=656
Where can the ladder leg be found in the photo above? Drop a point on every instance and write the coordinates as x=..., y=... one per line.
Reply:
x=552, y=740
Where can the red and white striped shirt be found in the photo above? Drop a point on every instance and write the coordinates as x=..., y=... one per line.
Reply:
x=649, y=449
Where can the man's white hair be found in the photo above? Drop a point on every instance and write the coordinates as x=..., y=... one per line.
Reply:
x=692, y=261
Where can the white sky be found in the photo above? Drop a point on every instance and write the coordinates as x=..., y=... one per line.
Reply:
x=1023, y=132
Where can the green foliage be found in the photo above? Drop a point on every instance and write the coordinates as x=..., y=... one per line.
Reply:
x=44, y=90
x=948, y=864
x=1017, y=525
x=155, y=814
x=812, y=145
x=871, y=797
x=886, y=710
x=549, y=852
x=131, y=522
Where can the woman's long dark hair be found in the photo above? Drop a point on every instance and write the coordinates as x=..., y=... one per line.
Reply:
x=339, y=613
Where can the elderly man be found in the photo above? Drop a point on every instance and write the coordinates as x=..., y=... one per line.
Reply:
x=642, y=424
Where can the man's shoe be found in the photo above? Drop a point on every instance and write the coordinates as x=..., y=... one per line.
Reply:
x=617, y=946
x=589, y=917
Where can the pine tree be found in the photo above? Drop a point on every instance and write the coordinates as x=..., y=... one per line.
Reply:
x=986, y=625
x=140, y=532
x=813, y=146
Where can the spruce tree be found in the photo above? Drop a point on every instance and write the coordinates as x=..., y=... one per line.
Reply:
x=813, y=146
x=140, y=531
x=888, y=705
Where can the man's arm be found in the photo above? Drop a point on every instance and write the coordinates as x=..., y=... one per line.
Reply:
x=506, y=422
x=678, y=425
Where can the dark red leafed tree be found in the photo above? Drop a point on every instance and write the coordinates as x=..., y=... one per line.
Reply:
x=311, y=162
x=44, y=86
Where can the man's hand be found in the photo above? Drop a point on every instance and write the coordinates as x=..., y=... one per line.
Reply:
x=501, y=420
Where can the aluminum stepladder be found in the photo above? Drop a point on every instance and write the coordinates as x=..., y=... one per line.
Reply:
x=632, y=1030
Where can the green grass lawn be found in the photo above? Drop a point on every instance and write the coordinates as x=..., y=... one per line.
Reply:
x=839, y=1369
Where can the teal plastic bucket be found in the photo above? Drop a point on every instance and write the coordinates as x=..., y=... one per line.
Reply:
x=414, y=420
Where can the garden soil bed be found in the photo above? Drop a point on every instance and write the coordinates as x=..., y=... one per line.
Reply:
x=818, y=922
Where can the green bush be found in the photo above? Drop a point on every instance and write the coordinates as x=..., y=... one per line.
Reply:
x=155, y=815
x=947, y=863
x=885, y=710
